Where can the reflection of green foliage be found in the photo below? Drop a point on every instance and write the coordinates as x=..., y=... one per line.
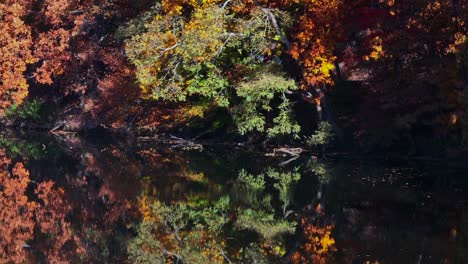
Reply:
x=253, y=255
x=322, y=136
x=251, y=190
x=200, y=213
x=28, y=110
x=261, y=217
x=146, y=248
x=264, y=223
x=256, y=183
x=91, y=234
x=321, y=170
x=32, y=150
x=213, y=217
x=195, y=230
x=184, y=226
x=285, y=183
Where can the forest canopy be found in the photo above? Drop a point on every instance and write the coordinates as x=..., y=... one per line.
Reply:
x=380, y=72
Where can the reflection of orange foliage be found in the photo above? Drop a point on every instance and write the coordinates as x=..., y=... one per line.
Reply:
x=145, y=209
x=376, y=49
x=151, y=215
x=21, y=217
x=318, y=246
x=118, y=185
x=16, y=216
x=50, y=218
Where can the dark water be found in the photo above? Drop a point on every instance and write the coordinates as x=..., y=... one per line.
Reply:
x=100, y=200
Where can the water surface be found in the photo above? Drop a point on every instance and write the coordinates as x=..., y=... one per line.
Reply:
x=99, y=200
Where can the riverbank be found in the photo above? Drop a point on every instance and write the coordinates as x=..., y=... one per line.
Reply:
x=285, y=152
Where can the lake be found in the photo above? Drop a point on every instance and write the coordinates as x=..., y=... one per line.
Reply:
x=71, y=199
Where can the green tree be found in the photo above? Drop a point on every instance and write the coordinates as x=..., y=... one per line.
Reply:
x=213, y=54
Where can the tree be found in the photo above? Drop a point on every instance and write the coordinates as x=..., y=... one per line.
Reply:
x=411, y=52
x=65, y=51
x=15, y=53
x=315, y=39
x=206, y=54
x=193, y=228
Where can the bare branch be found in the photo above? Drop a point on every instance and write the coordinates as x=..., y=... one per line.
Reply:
x=222, y=47
x=169, y=48
x=291, y=151
x=229, y=35
x=225, y=4
x=223, y=254
x=273, y=21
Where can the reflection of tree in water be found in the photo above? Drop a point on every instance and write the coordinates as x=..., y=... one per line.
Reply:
x=111, y=180
x=102, y=190
x=23, y=217
x=254, y=224
x=79, y=205
x=74, y=207
x=318, y=245
x=183, y=231
x=16, y=227
x=262, y=217
x=21, y=148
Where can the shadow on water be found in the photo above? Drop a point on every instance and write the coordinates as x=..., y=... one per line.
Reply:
x=90, y=200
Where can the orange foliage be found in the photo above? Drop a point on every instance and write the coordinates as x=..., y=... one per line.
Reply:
x=24, y=44
x=117, y=89
x=15, y=53
x=319, y=244
x=315, y=39
x=60, y=43
x=52, y=49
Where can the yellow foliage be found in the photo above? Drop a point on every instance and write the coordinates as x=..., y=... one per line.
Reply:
x=196, y=177
x=326, y=242
x=460, y=39
x=176, y=7
x=377, y=50
x=318, y=246
x=172, y=43
x=145, y=209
